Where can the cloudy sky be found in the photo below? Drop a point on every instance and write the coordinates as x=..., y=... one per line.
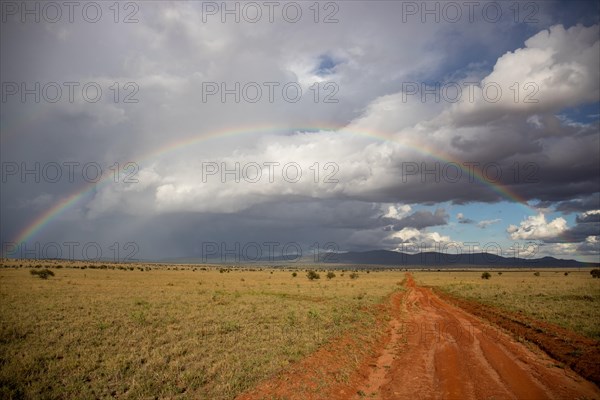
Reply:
x=156, y=130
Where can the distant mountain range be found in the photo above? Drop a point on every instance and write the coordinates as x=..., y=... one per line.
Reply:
x=386, y=257
x=393, y=258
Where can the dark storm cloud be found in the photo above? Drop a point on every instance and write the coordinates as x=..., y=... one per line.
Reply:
x=591, y=202
x=170, y=53
x=591, y=248
x=588, y=217
x=423, y=219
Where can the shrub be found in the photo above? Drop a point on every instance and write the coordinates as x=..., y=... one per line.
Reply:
x=353, y=275
x=312, y=275
x=330, y=275
x=42, y=273
x=566, y=274
x=500, y=273
x=486, y=275
x=536, y=273
x=595, y=273
x=294, y=274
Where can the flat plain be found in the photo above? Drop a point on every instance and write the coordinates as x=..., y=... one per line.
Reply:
x=168, y=331
x=174, y=331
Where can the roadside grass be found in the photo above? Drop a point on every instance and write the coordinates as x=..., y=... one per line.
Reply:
x=571, y=301
x=153, y=332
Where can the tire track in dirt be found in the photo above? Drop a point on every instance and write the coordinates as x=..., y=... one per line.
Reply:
x=430, y=350
x=581, y=354
x=438, y=351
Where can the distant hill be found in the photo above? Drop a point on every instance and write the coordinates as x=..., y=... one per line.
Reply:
x=394, y=258
x=386, y=257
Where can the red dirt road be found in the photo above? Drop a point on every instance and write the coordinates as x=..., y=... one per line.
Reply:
x=438, y=351
x=432, y=350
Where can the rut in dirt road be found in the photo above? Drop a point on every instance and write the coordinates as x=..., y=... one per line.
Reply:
x=437, y=351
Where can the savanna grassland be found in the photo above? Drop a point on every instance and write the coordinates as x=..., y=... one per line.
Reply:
x=571, y=301
x=200, y=332
x=169, y=332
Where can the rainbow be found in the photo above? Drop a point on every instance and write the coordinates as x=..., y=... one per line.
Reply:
x=45, y=218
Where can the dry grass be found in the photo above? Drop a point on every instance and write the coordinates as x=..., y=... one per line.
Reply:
x=162, y=333
x=571, y=301
x=206, y=334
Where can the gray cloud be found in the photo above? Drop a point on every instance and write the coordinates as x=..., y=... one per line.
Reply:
x=591, y=202
x=370, y=135
x=588, y=217
x=423, y=219
x=485, y=223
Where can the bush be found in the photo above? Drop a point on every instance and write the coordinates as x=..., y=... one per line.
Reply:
x=566, y=274
x=42, y=273
x=312, y=275
x=294, y=274
x=330, y=275
x=595, y=273
x=353, y=275
x=536, y=273
x=486, y=275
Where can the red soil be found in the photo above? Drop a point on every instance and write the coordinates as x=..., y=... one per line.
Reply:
x=431, y=350
x=580, y=353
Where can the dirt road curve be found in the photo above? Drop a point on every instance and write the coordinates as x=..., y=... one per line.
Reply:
x=437, y=351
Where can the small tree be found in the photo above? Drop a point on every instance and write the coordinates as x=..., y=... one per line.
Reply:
x=595, y=273
x=486, y=275
x=312, y=275
x=330, y=275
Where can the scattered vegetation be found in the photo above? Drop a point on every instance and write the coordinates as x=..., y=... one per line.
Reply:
x=312, y=275
x=330, y=275
x=42, y=273
x=175, y=333
x=353, y=275
x=486, y=275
